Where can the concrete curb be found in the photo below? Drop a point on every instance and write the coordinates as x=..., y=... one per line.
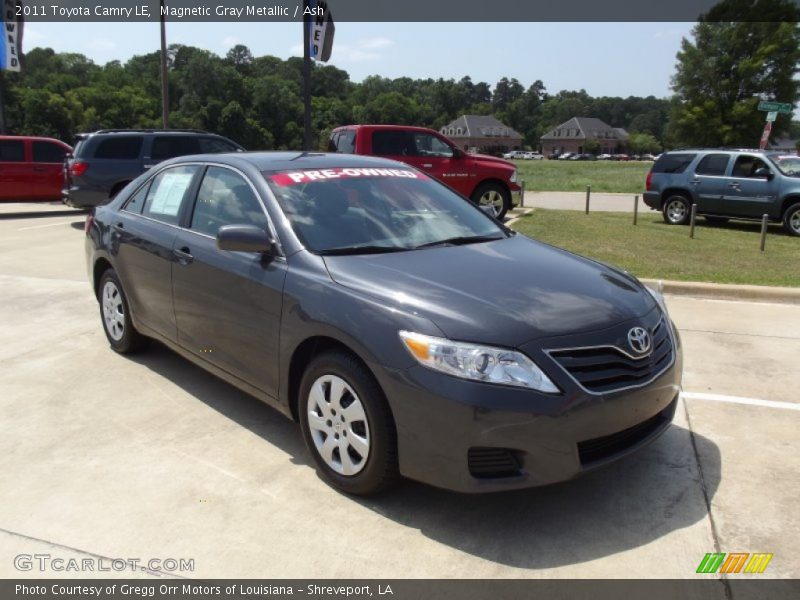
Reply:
x=720, y=291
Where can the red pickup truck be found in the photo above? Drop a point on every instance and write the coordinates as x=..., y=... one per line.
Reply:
x=486, y=180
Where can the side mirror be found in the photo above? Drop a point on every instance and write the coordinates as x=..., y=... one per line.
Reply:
x=245, y=238
x=764, y=172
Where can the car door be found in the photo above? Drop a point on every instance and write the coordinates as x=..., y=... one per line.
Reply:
x=228, y=304
x=143, y=238
x=48, y=168
x=709, y=182
x=15, y=171
x=750, y=194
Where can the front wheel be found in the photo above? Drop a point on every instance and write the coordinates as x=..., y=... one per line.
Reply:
x=494, y=195
x=677, y=210
x=791, y=219
x=347, y=424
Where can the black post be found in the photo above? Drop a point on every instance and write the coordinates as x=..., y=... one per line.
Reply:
x=2, y=107
x=164, y=78
x=306, y=77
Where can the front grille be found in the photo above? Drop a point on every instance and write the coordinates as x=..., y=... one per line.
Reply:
x=605, y=368
x=598, y=449
x=491, y=463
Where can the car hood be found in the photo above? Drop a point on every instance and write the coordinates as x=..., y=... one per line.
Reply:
x=505, y=292
x=493, y=160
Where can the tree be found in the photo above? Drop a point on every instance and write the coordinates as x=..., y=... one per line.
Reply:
x=640, y=143
x=733, y=63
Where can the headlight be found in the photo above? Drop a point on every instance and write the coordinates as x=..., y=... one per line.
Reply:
x=479, y=363
x=659, y=298
x=513, y=178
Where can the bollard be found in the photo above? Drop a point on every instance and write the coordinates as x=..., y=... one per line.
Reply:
x=764, y=231
x=635, y=209
x=522, y=194
x=691, y=226
x=588, y=193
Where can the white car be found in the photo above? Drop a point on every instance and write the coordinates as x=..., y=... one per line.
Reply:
x=533, y=156
x=604, y=157
x=515, y=155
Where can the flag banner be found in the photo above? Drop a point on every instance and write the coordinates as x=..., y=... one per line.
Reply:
x=322, y=30
x=11, y=46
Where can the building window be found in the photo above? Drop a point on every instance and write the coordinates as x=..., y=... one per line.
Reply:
x=459, y=131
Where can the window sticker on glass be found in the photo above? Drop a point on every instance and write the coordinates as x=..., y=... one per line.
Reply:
x=169, y=193
x=308, y=175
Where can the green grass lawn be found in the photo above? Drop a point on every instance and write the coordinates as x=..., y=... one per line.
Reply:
x=655, y=250
x=574, y=176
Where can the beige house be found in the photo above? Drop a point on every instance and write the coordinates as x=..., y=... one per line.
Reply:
x=482, y=133
x=572, y=135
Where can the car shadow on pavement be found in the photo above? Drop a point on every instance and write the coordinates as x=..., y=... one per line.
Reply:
x=628, y=504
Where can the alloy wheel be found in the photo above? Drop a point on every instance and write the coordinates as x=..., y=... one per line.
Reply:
x=494, y=199
x=676, y=211
x=113, y=311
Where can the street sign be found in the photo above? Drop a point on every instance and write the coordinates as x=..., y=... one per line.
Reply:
x=781, y=107
x=771, y=116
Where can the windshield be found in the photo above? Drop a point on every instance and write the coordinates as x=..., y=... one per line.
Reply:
x=367, y=210
x=788, y=165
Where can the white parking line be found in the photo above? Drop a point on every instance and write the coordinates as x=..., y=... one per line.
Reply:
x=46, y=225
x=740, y=400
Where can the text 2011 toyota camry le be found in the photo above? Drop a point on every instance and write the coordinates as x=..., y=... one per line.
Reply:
x=408, y=332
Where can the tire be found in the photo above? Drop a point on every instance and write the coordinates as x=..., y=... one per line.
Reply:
x=791, y=219
x=495, y=195
x=715, y=221
x=339, y=397
x=116, y=316
x=677, y=210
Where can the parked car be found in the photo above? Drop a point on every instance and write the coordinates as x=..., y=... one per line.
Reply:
x=486, y=180
x=515, y=155
x=31, y=168
x=553, y=156
x=649, y=157
x=405, y=330
x=726, y=184
x=604, y=157
x=534, y=156
x=621, y=157
x=566, y=155
x=105, y=161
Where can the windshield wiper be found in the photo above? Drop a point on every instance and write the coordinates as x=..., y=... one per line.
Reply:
x=461, y=240
x=362, y=250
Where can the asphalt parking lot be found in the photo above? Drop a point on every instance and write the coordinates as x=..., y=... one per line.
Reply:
x=150, y=457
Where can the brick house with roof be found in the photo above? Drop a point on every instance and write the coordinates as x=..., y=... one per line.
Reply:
x=482, y=133
x=572, y=135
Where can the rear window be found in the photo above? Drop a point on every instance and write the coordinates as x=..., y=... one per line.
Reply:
x=120, y=148
x=12, y=151
x=48, y=152
x=673, y=163
x=165, y=147
x=343, y=142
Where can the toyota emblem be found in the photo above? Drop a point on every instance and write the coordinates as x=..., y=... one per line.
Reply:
x=639, y=340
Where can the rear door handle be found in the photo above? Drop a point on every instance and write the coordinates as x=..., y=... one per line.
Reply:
x=427, y=166
x=694, y=181
x=184, y=255
x=119, y=226
x=734, y=184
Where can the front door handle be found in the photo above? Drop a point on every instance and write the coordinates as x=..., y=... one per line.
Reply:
x=39, y=169
x=695, y=181
x=427, y=166
x=734, y=184
x=184, y=255
x=119, y=226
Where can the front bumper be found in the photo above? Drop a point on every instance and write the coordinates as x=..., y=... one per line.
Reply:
x=652, y=199
x=473, y=437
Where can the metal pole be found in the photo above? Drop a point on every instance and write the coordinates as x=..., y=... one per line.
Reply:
x=2, y=107
x=764, y=220
x=164, y=79
x=588, y=193
x=694, y=214
x=306, y=77
x=635, y=209
x=522, y=195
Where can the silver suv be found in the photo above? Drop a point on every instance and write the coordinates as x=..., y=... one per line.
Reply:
x=741, y=184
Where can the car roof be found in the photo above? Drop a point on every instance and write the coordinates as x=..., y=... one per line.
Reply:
x=34, y=138
x=146, y=132
x=285, y=161
x=758, y=150
x=390, y=127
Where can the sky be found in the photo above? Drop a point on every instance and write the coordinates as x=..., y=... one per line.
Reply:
x=605, y=59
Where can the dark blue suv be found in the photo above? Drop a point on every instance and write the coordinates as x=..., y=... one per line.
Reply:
x=742, y=184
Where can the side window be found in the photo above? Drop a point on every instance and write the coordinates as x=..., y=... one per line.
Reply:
x=170, y=146
x=47, y=152
x=211, y=145
x=120, y=148
x=225, y=198
x=136, y=202
x=167, y=193
x=713, y=164
x=391, y=142
x=429, y=145
x=746, y=166
x=12, y=151
x=346, y=144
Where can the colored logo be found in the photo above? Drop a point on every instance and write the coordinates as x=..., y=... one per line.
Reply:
x=734, y=562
